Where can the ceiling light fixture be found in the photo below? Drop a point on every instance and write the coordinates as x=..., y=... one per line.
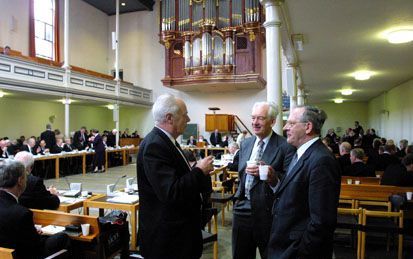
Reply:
x=123, y=4
x=362, y=75
x=1, y=94
x=110, y=106
x=338, y=100
x=66, y=101
x=346, y=91
x=400, y=36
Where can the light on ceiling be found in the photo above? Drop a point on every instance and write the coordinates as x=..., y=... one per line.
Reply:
x=346, y=91
x=1, y=94
x=362, y=75
x=123, y=4
x=298, y=40
x=66, y=101
x=110, y=106
x=400, y=36
x=338, y=100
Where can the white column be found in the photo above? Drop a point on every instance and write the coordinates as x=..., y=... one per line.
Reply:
x=117, y=42
x=293, y=80
x=273, y=42
x=300, y=97
x=66, y=64
x=67, y=116
x=116, y=120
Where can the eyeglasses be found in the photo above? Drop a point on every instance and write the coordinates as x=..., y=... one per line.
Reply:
x=260, y=118
x=290, y=124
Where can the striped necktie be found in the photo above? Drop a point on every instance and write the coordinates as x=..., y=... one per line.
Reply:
x=249, y=178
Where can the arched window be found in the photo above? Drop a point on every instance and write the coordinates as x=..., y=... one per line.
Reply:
x=44, y=33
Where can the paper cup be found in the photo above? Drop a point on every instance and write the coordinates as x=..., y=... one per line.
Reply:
x=409, y=195
x=349, y=181
x=263, y=169
x=85, y=229
x=357, y=182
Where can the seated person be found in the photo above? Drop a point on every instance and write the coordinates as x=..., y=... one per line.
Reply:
x=191, y=141
x=357, y=167
x=344, y=159
x=387, y=158
x=6, y=50
x=399, y=174
x=36, y=196
x=233, y=149
x=41, y=148
x=30, y=147
x=68, y=146
x=225, y=141
x=17, y=229
x=58, y=147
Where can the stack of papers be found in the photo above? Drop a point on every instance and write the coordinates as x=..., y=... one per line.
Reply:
x=51, y=229
x=130, y=199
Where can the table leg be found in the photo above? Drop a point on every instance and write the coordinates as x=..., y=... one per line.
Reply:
x=85, y=210
x=133, y=222
x=124, y=157
x=106, y=160
x=57, y=167
x=84, y=164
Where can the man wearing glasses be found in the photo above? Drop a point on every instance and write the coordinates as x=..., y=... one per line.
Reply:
x=254, y=198
x=306, y=198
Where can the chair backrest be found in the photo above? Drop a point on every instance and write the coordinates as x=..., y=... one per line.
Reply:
x=6, y=253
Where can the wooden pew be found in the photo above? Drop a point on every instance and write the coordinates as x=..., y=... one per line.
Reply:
x=363, y=180
x=6, y=253
x=371, y=192
x=47, y=217
x=129, y=141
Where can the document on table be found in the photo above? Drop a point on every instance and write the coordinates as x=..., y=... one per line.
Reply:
x=130, y=199
x=52, y=229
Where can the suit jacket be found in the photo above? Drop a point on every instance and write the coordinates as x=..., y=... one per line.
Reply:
x=385, y=160
x=78, y=141
x=49, y=137
x=98, y=145
x=68, y=148
x=344, y=161
x=305, y=208
x=17, y=229
x=234, y=165
x=215, y=140
x=278, y=153
x=30, y=150
x=169, y=200
x=36, y=196
x=396, y=175
x=189, y=142
x=359, y=169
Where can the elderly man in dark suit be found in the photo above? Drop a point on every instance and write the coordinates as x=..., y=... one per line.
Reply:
x=305, y=207
x=17, y=229
x=169, y=189
x=80, y=139
x=254, y=198
x=99, y=148
x=36, y=196
x=48, y=136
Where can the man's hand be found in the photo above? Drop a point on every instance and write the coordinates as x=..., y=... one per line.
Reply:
x=252, y=170
x=206, y=164
x=273, y=177
x=53, y=190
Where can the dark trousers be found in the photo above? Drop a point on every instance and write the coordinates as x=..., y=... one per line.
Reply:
x=98, y=160
x=245, y=239
x=55, y=243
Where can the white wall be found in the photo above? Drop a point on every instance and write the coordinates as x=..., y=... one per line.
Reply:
x=393, y=112
x=18, y=39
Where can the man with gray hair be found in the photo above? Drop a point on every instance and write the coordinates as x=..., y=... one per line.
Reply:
x=48, y=136
x=306, y=199
x=254, y=198
x=36, y=196
x=169, y=189
x=17, y=229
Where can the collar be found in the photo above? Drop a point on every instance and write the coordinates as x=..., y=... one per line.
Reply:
x=305, y=146
x=266, y=140
x=14, y=196
x=167, y=134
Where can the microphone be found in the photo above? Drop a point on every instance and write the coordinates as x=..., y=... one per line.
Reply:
x=67, y=182
x=111, y=187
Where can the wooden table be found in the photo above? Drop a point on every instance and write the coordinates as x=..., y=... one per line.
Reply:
x=206, y=149
x=102, y=203
x=68, y=207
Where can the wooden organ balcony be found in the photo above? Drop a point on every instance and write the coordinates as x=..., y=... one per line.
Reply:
x=212, y=45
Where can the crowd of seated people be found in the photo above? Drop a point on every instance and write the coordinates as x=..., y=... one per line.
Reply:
x=362, y=153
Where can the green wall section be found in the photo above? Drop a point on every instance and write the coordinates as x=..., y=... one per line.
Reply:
x=343, y=115
x=27, y=117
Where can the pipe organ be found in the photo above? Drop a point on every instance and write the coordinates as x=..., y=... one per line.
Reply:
x=212, y=43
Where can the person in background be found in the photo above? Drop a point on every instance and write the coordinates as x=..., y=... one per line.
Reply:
x=6, y=50
x=358, y=167
x=241, y=137
x=358, y=129
x=30, y=146
x=36, y=196
x=344, y=159
x=48, y=136
x=399, y=174
x=191, y=141
x=99, y=148
x=17, y=229
x=402, y=151
x=216, y=138
x=80, y=139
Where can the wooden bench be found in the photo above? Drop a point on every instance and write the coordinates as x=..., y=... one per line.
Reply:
x=370, y=192
x=6, y=253
x=363, y=180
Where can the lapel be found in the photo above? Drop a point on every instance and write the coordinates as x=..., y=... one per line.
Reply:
x=297, y=168
x=178, y=157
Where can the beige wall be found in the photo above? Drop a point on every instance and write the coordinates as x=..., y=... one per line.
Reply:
x=392, y=112
x=343, y=115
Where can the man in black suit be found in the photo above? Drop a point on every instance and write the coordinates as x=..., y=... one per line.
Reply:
x=344, y=159
x=36, y=196
x=191, y=141
x=80, y=139
x=30, y=147
x=305, y=207
x=169, y=189
x=254, y=198
x=17, y=229
x=358, y=167
x=387, y=158
x=99, y=148
x=215, y=138
x=48, y=136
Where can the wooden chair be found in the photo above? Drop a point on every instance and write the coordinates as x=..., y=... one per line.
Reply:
x=212, y=234
x=391, y=227
x=351, y=219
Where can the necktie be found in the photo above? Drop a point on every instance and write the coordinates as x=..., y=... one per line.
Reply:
x=292, y=163
x=249, y=178
x=182, y=153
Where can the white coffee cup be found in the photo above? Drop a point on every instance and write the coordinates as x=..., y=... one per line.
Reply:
x=357, y=182
x=85, y=229
x=409, y=195
x=349, y=181
x=263, y=170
